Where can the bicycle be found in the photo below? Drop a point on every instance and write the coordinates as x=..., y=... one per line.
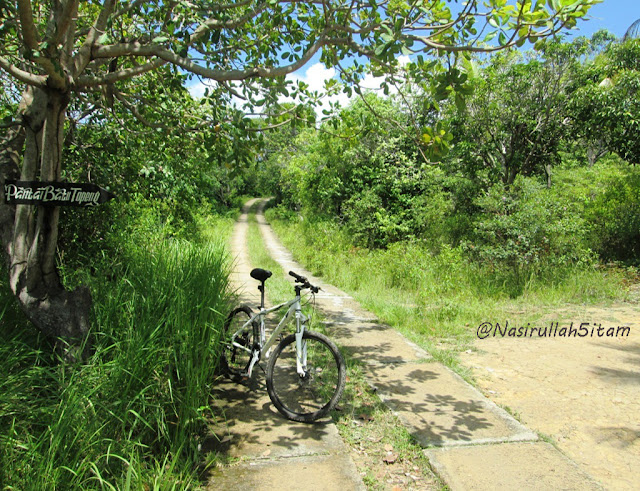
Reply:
x=305, y=374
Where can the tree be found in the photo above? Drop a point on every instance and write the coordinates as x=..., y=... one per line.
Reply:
x=515, y=120
x=91, y=53
x=606, y=108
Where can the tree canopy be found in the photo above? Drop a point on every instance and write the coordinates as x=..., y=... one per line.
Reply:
x=248, y=46
x=88, y=57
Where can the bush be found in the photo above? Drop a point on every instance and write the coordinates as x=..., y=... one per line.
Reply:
x=528, y=229
x=614, y=215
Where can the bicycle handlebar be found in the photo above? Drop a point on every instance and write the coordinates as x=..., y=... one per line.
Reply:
x=305, y=282
x=299, y=279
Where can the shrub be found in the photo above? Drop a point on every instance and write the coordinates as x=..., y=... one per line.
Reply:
x=526, y=229
x=614, y=215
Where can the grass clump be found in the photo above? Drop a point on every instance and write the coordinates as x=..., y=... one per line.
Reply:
x=133, y=413
x=384, y=451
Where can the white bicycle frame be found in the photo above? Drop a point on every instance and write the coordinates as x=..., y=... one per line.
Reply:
x=294, y=312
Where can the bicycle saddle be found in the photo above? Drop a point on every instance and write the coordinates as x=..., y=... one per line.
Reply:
x=261, y=274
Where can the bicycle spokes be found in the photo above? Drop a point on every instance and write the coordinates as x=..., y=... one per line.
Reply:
x=310, y=394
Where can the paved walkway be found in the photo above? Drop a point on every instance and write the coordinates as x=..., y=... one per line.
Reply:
x=270, y=452
x=471, y=442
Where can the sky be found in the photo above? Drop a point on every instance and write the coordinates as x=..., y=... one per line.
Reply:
x=614, y=15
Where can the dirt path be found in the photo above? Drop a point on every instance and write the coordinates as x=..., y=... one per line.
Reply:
x=583, y=392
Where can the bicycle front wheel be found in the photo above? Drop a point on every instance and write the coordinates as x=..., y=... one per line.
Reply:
x=311, y=395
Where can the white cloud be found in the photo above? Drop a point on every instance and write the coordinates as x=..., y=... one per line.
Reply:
x=197, y=88
x=374, y=83
x=315, y=76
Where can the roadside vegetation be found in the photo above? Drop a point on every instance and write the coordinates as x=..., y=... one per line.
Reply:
x=522, y=206
x=132, y=413
x=484, y=187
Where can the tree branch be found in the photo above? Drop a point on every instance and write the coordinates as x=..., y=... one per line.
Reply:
x=64, y=21
x=24, y=76
x=149, y=50
x=271, y=126
x=124, y=74
x=138, y=115
x=134, y=110
x=84, y=53
x=211, y=24
x=29, y=32
x=128, y=8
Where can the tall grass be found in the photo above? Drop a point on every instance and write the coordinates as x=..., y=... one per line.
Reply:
x=132, y=415
x=437, y=300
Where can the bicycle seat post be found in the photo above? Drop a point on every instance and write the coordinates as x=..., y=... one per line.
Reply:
x=261, y=288
x=261, y=275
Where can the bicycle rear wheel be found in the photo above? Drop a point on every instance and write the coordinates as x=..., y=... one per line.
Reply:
x=311, y=396
x=234, y=360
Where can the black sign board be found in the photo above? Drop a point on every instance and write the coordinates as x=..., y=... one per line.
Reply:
x=54, y=193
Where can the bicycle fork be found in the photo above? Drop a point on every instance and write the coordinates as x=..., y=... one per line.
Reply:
x=301, y=345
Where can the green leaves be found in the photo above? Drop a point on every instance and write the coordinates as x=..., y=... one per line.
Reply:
x=436, y=141
x=607, y=106
x=160, y=39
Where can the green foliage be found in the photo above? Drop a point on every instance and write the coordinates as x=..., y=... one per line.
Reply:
x=254, y=45
x=606, y=107
x=163, y=182
x=436, y=299
x=513, y=123
x=367, y=173
x=135, y=412
x=614, y=215
x=403, y=203
x=529, y=230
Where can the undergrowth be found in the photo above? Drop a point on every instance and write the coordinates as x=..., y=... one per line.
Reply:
x=132, y=414
x=435, y=299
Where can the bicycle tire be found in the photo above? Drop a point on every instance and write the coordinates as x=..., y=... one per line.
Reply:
x=235, y=361
x=309, y=398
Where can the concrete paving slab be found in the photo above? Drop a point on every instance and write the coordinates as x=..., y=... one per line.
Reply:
x=521, y=466
x=249, y=426
x=440, y=409
x=317, y=473
x=371, y=343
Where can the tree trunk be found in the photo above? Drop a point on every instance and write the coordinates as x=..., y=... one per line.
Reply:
x=547, y=171
x=31, y=247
